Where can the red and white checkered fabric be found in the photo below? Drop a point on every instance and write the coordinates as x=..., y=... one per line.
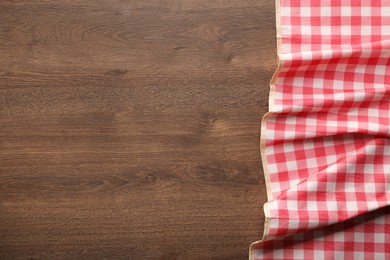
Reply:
x=326, y=141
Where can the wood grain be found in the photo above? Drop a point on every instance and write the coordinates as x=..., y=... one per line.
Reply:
x=130, y=129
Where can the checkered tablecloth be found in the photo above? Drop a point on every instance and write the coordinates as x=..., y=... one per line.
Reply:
x=325, y=142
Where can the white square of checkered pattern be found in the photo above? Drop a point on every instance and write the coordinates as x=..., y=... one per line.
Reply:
x=326, y=146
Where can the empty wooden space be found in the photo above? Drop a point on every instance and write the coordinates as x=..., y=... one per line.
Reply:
x=130, y=129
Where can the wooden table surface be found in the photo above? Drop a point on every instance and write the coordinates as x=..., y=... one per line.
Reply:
x=130, y=129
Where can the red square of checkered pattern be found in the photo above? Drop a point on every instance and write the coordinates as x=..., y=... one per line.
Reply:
x=325, y=142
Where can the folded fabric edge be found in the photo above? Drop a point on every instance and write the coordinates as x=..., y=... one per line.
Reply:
x=262, y=131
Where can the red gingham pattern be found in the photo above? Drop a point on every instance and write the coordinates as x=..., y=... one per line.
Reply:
x=325, y=142
x=361, y=238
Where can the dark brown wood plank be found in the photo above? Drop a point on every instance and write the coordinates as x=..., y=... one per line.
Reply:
x=130, y=129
